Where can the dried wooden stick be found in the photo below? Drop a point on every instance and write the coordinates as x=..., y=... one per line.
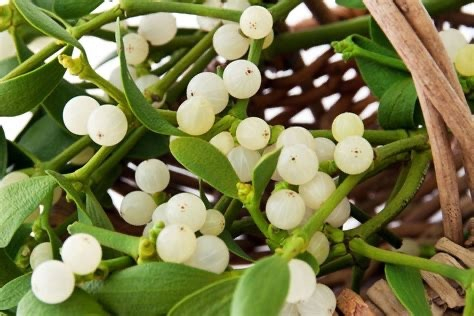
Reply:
x=466, y=256
x=351, y=304
x=381, y=294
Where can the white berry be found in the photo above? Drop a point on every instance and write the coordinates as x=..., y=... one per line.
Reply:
x=321, y=303
x=206, y=23
x=76, y=113
x=41, y=253
x=302, y=281
x=243, y=161
x=176, y=243
x=340, y=214
x=464, y=61
x=297, y=164
x=214, y=224
x=107, y=125
x=158, y=28
x=229, y=43
x=136, y=48
x=289, y=310
x=137, y=208
x=52, y=282
x=223, y=141
x=253, y=133
x=353, y=155
x=268, y=40
x=211, y=254
x=7, y=44
x=146, y=81
x=152, y=176
x=295, y=135
x=211, y=87
x=82, y=253
x=316, y=191
x=285, y=209
x=238, y=5
x=256, y=22
x=188, y=209
x=242, y=79
x=318, y=246
x=195, y=116
x=13, y=177
x=410, y=247
x=324, y=148
x=453, y=40
x=147, y=229
x=160, y=214
x=347, y=124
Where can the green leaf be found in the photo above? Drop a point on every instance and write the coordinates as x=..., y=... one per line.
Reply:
x=9, y=270
x=21, y=94
x=75, y=8
x=354, y=4
x=378, y=36
x=397, y=106
x=214, y=299
x=45, y=139
x=407, y=285
x=80, y=303
x=18, y=239
x=206, y=162
x=19, y=157
x=262, y=289
x=12, y=292
x=233, y=246
x=151, y=145
x=152, y=288
x=18, y=201
x=263, y=172
x=96, y=213
x=143, y=111
x=43, y=23
x=3, y=153
x=7, y=65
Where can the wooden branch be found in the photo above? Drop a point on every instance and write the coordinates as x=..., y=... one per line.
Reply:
x=463, y=254
x=381, y=294
x=351, y=304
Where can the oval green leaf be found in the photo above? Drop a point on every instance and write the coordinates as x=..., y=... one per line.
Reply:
x=152, y=288
x=75, y=8
x=234, y=247
x=407, y=285
x=151, y=145
x=211, y=300
x=262, y=289
x=12, y=292
x=80, y=303
x=96, y=213
x=143, y=111
x=7, y=65
x=3, y=153
x=18, y=201
x=206, y=162
x=9, y=270
x=263, y=172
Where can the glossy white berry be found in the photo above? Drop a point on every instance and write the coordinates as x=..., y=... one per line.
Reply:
x=214, y=224
x=340, y=214
x=268, y=40
x=160, y=214
x=318, y=246
x=152, y=176
x=83, y=157
x=285, y=209
x=115, y=76
x=229, y=43
x=176, y=243
x=13, y=177
x=347, y=124
x=147, y=229
x=302, y=281
x=243, y=161
x=242, y=79
x=136, y=48
x=211, y=87
x=137, y=208
x=145, y=81
x=76, y=113
x=158, y=28
x=52, y=282
x=256, y=22
x=297, y=164
x=353, y=155
x=82, y=253
x=289, y=310
x=324, y=148
x=206, y=23
x=410, y=247
x=295, y=135
x=238, y=5
x=195, y=116
x=107, y=125
x=211, y=254
x=316, y=191
x=464, y=61
x=253, y=133
x=321, y=303
x=223, y=141
x=41, y=253
x=7, y=45
x=188, y=209
x=453, y=40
